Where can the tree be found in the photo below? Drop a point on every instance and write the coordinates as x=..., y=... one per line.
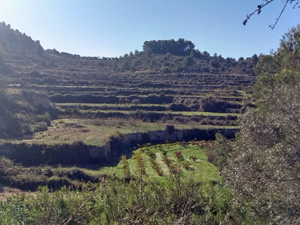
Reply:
x=260, y=7
x=264, y=163
x=4, y=68
x=254, y=59
x=214, y=65
x=188, y=61
x=180, y=47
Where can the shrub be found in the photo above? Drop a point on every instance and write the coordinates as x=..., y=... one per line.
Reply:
x=125, y=165
x=42, y=126
x=139, y=160
x=194, y=106
x=136, y=101
x=179, y=107
x=179, y=155
x=170, y=129
x=212, y=104
x=211, y=155
x=56, y=182
x=44, y=118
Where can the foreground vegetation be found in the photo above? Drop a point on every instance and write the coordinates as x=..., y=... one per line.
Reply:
x=137, y=202
x=169, y=184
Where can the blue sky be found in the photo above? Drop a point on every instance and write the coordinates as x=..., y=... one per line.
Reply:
x=113, y=28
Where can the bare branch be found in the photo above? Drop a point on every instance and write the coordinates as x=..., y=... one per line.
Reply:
x=258, y=10
x=278, y=18
x=297, y=3
x=267, y=2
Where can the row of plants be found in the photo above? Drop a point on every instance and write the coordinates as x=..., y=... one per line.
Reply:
x=125, y=166
x=140, y=162
x=152, y=157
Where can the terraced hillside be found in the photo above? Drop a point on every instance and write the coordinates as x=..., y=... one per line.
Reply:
x=174, y=83
x=70, y=110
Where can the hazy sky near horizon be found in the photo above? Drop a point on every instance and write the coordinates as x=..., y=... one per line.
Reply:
x=112, y=28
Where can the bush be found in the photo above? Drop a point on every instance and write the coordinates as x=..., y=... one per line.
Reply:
x=136, y=101
x=194, y=106
x=211, y=155
x=179, y=107
x=55, y=183
x=42, y=126
x=44, y=118
x=179, y=155
x=170, y=129
x=211, y=104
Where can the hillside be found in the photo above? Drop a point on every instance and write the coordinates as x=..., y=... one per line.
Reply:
x=53, y=98
x=167, y=81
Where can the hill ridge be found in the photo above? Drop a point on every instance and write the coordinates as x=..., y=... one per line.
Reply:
x=23, y=54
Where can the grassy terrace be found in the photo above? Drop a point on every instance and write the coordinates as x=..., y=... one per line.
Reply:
x=107, y=105
x=103, y=106
x=192, y=165
x=167, y=112
x=97, y=131
x=186, y=113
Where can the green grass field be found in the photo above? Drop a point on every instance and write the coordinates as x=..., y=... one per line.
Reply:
x=192, y=165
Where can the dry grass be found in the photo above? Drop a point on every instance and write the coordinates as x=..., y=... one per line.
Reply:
x=89, y=131
x=6, y=191
x=98, y=131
